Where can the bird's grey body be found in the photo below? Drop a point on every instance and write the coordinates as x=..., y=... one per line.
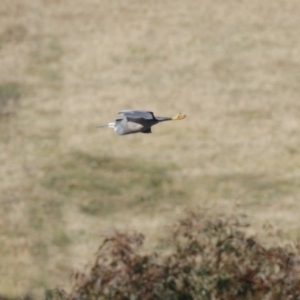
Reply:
x=135, y=121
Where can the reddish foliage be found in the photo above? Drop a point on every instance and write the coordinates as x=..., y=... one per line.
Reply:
x=211, y=259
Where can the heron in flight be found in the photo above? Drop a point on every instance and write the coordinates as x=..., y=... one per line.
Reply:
x=134, y=121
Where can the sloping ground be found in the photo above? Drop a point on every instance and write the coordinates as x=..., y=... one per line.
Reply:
x=68, y=66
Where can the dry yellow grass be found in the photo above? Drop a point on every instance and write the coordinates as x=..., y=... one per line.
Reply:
x=68, y=66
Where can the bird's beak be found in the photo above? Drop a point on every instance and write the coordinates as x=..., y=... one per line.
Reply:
x=180, y=116
x=110, y=125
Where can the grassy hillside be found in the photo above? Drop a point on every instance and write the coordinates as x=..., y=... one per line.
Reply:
x=68, y=66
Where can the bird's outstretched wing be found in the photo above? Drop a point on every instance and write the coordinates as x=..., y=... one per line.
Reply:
x=137, y=114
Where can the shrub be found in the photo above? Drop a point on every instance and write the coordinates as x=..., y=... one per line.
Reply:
x=211, y=259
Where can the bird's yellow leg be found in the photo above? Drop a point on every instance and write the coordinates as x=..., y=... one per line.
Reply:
x=180, y=116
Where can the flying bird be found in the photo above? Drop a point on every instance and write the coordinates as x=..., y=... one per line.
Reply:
x=134, y=121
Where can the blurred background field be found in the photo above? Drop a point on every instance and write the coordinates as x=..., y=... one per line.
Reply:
x=67, y=66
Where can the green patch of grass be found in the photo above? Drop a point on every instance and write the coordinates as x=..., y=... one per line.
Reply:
x=139, y=54
x=10, y=93
x=98, y=184
x=61, y=238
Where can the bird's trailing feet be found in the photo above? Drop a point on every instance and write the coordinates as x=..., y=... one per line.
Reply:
x=180, y=116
